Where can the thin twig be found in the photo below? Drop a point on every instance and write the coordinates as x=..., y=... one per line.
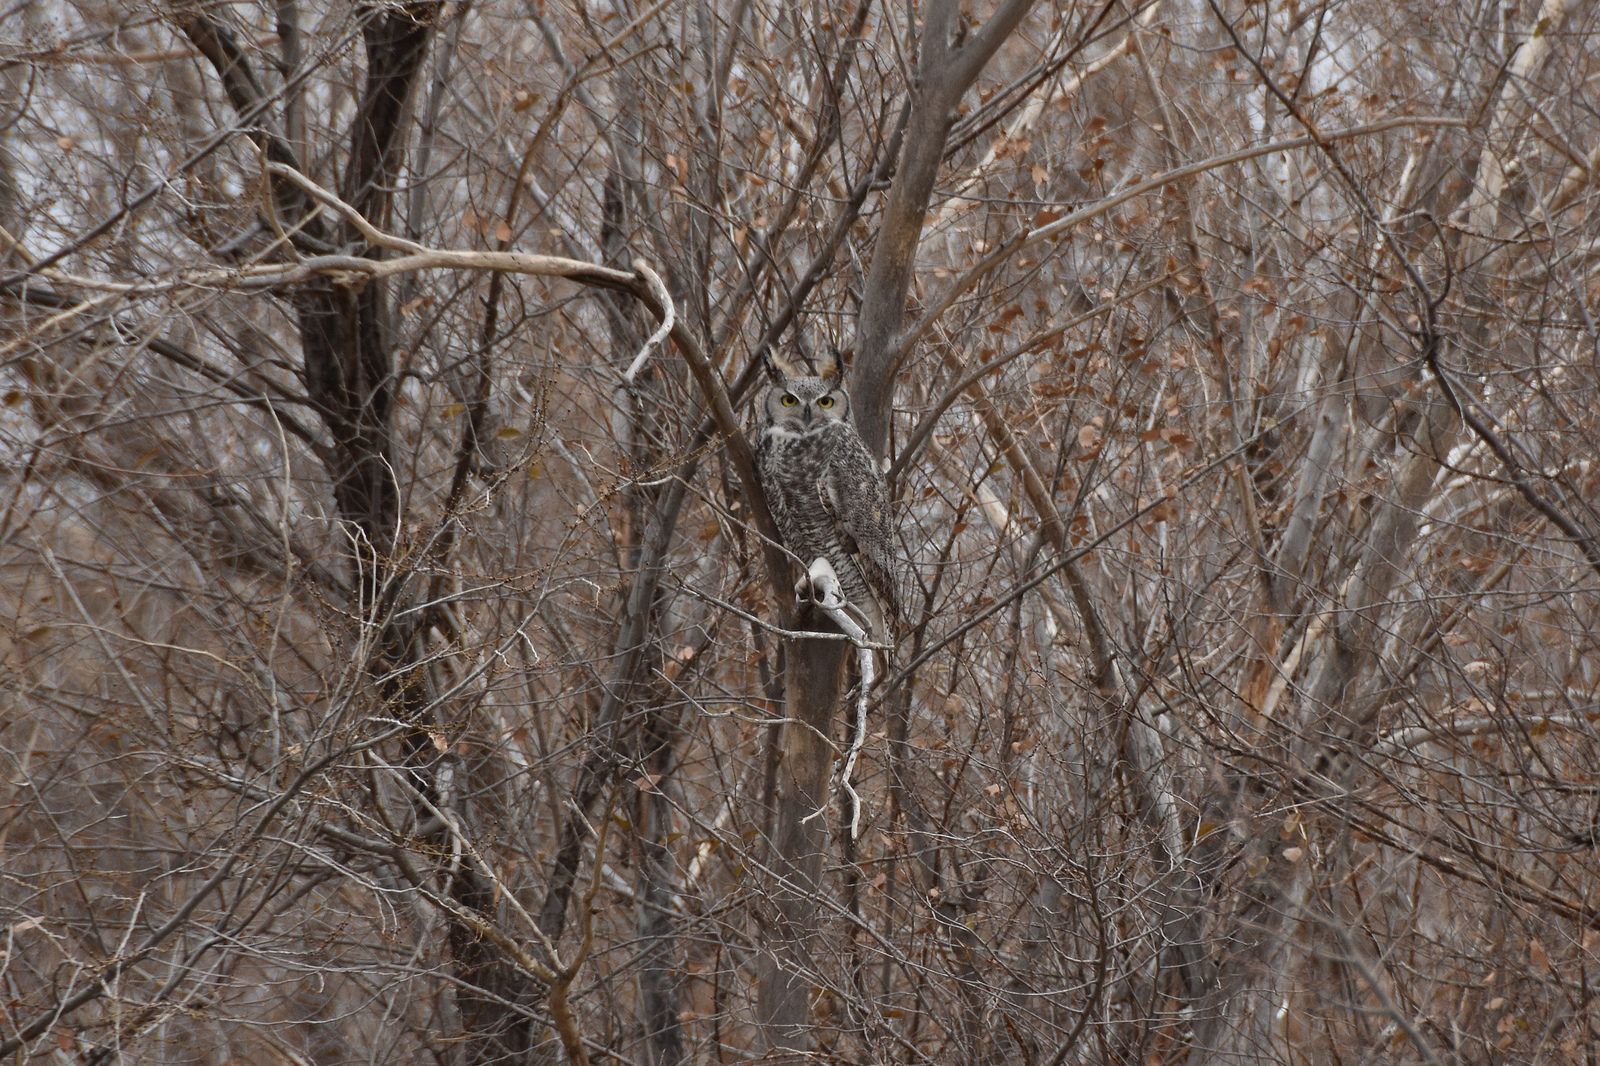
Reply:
x=1031, y=237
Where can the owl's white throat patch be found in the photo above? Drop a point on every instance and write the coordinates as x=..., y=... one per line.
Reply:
x=782, y=431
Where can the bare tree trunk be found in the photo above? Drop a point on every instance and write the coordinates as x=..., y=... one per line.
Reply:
x=609, y=741
x=812, y=674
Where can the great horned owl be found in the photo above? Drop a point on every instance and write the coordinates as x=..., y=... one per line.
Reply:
x=823, y=489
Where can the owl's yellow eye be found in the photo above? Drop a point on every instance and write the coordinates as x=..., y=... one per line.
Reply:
x=826, y=401
x=789, y=400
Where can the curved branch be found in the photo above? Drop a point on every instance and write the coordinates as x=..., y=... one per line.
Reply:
x=668, y=321
x=419, y=257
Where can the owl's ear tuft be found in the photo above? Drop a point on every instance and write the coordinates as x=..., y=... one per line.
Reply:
x=779, y=369
x=830, y=366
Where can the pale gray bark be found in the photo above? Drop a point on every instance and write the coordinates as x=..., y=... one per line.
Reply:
x=812, y=676
x=947, y=66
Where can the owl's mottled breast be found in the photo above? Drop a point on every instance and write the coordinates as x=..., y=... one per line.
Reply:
x=828, y=501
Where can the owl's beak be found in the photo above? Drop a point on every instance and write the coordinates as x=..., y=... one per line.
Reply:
x=806, y=415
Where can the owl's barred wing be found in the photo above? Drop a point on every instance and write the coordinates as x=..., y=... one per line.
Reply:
x=853, y=490
x=878, y=568
x=829, y=496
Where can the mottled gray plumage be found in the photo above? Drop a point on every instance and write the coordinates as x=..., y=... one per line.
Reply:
x=825, y=492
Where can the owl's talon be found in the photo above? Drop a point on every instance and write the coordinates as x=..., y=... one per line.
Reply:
x=803, y=594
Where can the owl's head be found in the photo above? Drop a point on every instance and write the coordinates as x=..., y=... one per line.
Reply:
x=801, y=403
